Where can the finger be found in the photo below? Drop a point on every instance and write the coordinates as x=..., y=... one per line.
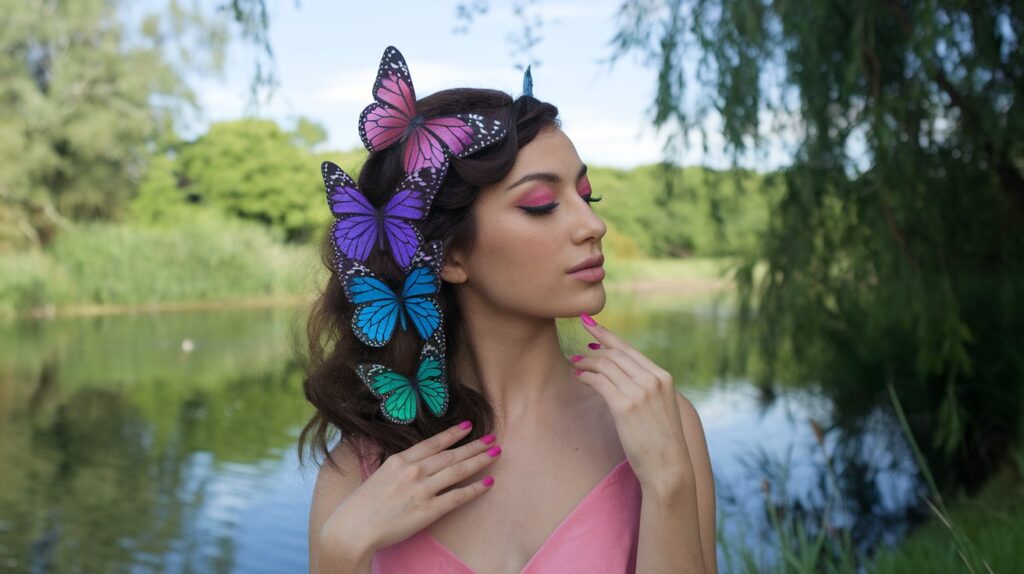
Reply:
x=638, y=373
x=611, y=371
x=436, y=443
x=456, y=497
x=459, y=471
x=613, y=341
x=611, y=394
x=603, y=334
x=635, y=372
x=435, y=462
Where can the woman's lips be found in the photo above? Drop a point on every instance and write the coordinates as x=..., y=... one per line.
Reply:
x=590, y=274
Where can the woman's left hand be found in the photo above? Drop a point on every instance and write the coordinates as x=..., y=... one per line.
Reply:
x=642, y=399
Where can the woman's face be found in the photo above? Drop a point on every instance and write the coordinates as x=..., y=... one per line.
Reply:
x=532, y=228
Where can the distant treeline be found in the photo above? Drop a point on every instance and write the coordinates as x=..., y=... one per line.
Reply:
x=254, y=170
x=235, y=213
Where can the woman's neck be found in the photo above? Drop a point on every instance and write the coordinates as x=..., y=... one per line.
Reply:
x=515, y=362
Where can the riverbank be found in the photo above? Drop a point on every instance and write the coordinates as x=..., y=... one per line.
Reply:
x=992, y=522
x=682, y=279
x=121, y=269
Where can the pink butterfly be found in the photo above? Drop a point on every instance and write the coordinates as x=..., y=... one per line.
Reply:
x=428, y=142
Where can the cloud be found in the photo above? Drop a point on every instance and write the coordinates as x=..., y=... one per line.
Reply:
x=610, y=141
x=354, y=86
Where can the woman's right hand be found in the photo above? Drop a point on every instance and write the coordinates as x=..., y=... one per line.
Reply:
x=401, y=497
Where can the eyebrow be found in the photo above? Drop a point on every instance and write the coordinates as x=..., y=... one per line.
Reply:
x=546, y=176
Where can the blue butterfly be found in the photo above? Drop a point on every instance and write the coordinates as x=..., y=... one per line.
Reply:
x=378, y=308
x=400, y=395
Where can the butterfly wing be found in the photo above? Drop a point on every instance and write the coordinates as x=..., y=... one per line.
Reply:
x=377, y=306
x=482, y=129
x=384, y=122
x=423, y=150
x=459, y=135
x=357, y=226
x=430, y=377
x=399, y=402
x=420, y=288
x=411, y=202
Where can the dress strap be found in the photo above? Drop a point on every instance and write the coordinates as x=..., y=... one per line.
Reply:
x=362, y=468
x=366, y=451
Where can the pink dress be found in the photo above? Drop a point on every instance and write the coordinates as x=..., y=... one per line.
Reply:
x=599, y=535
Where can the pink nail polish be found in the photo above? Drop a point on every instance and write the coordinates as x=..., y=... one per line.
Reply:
x=465, y=424
x=576, y=358
x=594, y=345
x=588, y=319
x=488, y=480
x=494, y=451
x=487, y=439
x=578, y=372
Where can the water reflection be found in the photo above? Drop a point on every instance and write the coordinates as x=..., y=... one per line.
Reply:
x=121, y=448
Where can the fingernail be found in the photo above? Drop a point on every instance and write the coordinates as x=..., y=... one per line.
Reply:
x=578, y=371
x=494, y=451
x=487, y=439
x=594, y=345
x=488, y=480
x=588, y=319
x=576, y=358
x=465, y=424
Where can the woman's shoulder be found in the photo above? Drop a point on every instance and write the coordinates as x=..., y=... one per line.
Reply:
x=333, y=485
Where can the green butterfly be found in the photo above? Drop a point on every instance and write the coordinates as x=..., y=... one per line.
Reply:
x=399, y=402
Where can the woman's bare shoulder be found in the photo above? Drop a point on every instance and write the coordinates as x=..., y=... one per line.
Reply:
x=333, y=485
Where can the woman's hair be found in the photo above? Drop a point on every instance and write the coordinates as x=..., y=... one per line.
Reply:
x=343, y=402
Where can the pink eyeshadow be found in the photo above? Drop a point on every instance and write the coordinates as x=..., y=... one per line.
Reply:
x=585, y=186
x=540, y=196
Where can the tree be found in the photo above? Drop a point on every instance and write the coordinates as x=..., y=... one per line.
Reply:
x=896, y=253
x=84, y=100
x=249, y=169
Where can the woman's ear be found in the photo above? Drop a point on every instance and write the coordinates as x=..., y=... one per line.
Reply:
x=453, y=270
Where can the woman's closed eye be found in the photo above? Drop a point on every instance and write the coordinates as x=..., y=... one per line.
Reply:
x=549, y=207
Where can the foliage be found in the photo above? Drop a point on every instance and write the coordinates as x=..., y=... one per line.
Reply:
x=632, y=203
x=896, y=252
x=250, y=169
x=83, y=100
x=210, y=258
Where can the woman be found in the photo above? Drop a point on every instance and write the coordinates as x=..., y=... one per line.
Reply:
x=592, y=463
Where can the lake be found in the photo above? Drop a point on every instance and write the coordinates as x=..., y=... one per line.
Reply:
x=166, y=442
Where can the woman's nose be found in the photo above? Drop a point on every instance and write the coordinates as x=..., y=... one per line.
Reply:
x=588, y=224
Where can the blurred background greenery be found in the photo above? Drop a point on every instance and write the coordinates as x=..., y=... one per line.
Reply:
x=887, y=253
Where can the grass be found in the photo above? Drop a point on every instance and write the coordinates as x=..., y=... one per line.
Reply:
x=993, y=521
x=123, y=265
x=106, y=268
x=981, y=534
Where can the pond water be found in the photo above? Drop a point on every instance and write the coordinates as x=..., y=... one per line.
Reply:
x=165, y=442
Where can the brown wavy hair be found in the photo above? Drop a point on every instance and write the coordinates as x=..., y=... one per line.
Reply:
x=344, y=405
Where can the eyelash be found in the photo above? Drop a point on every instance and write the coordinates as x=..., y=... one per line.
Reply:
x=546, y=209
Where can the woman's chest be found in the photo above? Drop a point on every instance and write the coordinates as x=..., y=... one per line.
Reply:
x=535, y=494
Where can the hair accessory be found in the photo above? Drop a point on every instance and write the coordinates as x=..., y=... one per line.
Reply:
x=428, y=141
x=378, y=308
x=527, y=82
x=360, y=225
x=398, y=393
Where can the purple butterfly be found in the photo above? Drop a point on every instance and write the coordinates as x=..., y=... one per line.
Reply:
x=428, y=142
x=360, y=225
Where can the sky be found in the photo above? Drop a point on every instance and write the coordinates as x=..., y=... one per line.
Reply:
x=327, y=54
